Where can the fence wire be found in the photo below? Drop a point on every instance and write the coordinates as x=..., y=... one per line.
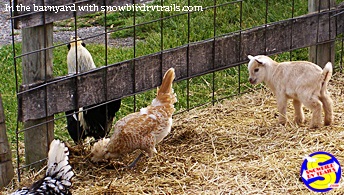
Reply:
x=212, y=79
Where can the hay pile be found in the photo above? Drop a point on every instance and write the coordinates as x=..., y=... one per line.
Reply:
x=234, y=147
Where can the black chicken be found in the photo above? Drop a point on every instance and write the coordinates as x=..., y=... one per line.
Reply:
x=94, y=121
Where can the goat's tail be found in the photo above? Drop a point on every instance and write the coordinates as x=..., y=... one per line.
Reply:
x=324, y=96
x=327, y=73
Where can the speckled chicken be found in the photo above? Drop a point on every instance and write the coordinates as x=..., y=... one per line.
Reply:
x=57, y=179
x=141, y=130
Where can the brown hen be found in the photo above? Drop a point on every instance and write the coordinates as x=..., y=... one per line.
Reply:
x=141, y=130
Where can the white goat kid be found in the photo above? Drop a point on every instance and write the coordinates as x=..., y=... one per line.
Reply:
x=304, y=82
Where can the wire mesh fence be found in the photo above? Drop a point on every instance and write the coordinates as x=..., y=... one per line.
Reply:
x=205, y=41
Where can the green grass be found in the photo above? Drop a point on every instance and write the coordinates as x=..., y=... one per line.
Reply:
x=227, y=21
x=8, y=88
x=175, y=33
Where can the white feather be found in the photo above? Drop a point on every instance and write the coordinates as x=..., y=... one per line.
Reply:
x=58, y=174
x=58, y=160
x=143, y=111
x=156, y=102
x=82, y=119
x=152, y=116
x=84, y=59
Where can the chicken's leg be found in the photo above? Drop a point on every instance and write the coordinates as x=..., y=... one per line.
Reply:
x=131, y=165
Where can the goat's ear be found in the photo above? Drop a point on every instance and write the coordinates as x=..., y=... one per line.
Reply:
x=250, y=57
x=259, y=62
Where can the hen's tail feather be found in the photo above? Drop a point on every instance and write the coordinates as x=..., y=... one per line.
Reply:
x=166, y=85
x=58, y=165
x=58, y=176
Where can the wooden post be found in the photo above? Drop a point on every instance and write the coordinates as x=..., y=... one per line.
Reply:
x=37, y=67
x=323, y=53
x=6, y=167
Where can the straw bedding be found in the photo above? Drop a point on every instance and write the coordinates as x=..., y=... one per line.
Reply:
x=234, y=147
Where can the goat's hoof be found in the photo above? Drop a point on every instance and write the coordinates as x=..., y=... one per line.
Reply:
x=328, y=123
x=314, y=126
x=283, y=123
x=282, y=120
x=299, y=121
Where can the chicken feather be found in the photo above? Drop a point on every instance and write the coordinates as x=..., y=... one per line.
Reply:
x=57, y=179
x=141, y=130
x=84, y=58
x=93, y=120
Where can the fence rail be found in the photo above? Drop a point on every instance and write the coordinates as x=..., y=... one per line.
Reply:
x=223, y=51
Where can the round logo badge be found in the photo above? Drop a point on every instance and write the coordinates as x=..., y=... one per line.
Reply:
x=321, y=172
